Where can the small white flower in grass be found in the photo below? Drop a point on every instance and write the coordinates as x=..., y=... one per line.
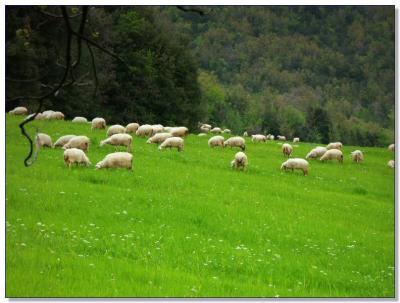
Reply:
x=62, y=192
x=23, y=244
x=124, y=212
x=81, y=256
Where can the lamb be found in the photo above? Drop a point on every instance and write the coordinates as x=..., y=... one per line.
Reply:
x=281, y=138
x=119, y=140
x=287, y=149
x=98, y=123
x=116, y=160
x=332, y=154
x=226, y=131
x=81, y=142
x=43, y=140
x=335, y=145
x=63, y=140
x=179, y=131
x=115, y=129
x=296, y=139
x=173, y=142
x=75, y=155
x=144, y=130
x=216, y=130
x=258, y=138
x=131, y=128
x=296, y=163
x=391, y=147
x=79, y=120
x=391, y=164
x=357, y=156
x=20, y=110
x=240, y=161
x=157, y=128
x=316, y=152
x=236, y=142
x=159, y=138
x=216, y=141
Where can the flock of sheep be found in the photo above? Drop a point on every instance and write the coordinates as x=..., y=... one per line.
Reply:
x=77, y=147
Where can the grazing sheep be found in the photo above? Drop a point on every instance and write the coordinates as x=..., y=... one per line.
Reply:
x=258, y=138
x=270, y=137
x=296, y=139
x=20, y=110
x=240, y=161
x=115, y=129
x=391, y=147
x=173, y=142
x=159, y=138
x=216, y=130
x=75, y=155
x=131, y=128
x=296, y=163
x=47, y=113
x=335, y=145
x=204, y=129
x=281, y=138
x=116, y=160
x=144, y=130
x=98, y=123
x=391, y=164
x=157, y=128
x=202, y=135
x=179, y=131
x=119, y=140
x=81, y=142
x=204, y=125
x=43, y=140
x=55, y=116
x=236, y=142
x=63, y=140
x=357, y=156
x=216, y=141
x=287, y=150
x=245, y=134
x=316, y=152
x=332, y=154
x=79, y=120
x=226, y=131
x=39, y=116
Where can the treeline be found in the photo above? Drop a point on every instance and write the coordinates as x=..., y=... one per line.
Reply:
x=320, y=73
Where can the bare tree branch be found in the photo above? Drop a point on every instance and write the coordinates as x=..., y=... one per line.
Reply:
x=96, y=80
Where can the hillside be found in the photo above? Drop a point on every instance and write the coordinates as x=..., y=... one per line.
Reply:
x=187, y=225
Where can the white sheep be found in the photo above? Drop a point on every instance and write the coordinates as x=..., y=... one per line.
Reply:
x=63, y=140
x=316, y=152
x=55, y=116
x=115, y=129
x=81, y=142
x=43, y=140
x=296, y=139
x=205, y=125
x=332, y=154
x=157, y=128
x=98, y=123
x=131, y=128
x=236, y=142
x=79, y=120
x=167, y=129
x=357, y=156
x=119, y=140
x=20, y=110
x=173, y=142
x=75, y=155
x=116, y=160
x=391, y=147
x=47, y=113
x=159, y=138
x=216, y=141
x=240, y=161
x=226, y=131
x=391, y=164
x=296, y=163
x=216, y=130
x=287, y=149
x=180, y=131
x=270, y=137
x=39, y=116
x=144, y=130
x=205, y=128
x=245, y=134
x=335, y=145
x=258, y=138
x=281, y=138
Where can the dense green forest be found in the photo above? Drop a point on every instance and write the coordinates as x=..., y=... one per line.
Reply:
x=320, y=73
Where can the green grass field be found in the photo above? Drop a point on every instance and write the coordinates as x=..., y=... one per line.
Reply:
x=187, y=225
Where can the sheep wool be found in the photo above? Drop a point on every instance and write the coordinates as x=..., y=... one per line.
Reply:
x=335, y=145
x=173, y=142
x=43, y=140
x=81, y=142
x=144, y=130
x=391, y=164
x=63, y=140
x=98, y=123
x=296, y=163
x=157, y=128
x=115, y=129
x=296, y=139
x=180, y=131
x=216, y=141
x=75, y=155
x=131, y=128
x=79, y=120
x=216, y=130
x=159, y=138
x=119, y=140
x=332, y=154
x=357, y=156
x=116, y=160
x=316, y=152
x=20, y=110
x=236, y=142
x=391, y=147
x=240, y=161
x=287, y=149
x=258, y=138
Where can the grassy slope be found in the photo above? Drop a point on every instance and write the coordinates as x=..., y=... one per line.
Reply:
x=185, y=224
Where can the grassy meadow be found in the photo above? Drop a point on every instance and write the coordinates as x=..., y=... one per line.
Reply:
x=187, y=225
